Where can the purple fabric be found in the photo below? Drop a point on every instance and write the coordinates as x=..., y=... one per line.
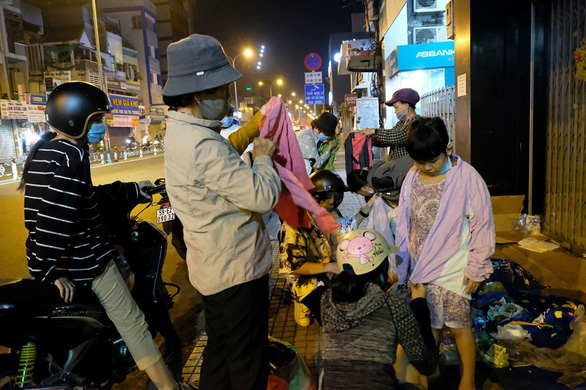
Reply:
x=465, y=191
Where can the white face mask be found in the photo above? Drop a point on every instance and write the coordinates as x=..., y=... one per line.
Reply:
x=402, y=115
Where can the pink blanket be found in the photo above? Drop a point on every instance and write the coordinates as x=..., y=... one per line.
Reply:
x=295, y=199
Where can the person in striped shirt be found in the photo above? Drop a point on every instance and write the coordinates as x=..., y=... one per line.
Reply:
x=67, y=244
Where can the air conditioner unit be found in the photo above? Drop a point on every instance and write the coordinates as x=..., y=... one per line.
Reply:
x=358, y=56
x=428, y=6
x=429, y=34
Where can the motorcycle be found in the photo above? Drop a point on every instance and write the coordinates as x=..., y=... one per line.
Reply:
x=46, y=343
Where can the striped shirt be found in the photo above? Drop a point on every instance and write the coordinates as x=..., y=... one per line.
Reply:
x=62, y=215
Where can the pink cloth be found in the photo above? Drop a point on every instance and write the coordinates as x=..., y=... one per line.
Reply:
x=295, y=199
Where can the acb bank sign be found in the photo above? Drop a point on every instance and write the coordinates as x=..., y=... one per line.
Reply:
x=422, y=56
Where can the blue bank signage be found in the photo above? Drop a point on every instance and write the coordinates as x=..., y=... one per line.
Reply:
x=124, y=105
x=426, y=56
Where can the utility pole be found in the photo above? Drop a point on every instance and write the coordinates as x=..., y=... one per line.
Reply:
x=103, y=83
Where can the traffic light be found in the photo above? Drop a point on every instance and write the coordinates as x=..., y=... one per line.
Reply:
x=249, y=88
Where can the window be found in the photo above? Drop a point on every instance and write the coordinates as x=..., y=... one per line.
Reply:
x=137, y=22
x=155, y=78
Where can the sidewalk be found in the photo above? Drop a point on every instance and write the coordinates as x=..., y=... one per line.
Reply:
x=282, y=323
x=564, y=272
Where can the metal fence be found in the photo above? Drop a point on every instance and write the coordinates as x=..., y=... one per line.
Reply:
x=442, y=103
x=565, y=196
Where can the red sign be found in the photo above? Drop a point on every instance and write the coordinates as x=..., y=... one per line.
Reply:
x=350, y=99
x=312, y=61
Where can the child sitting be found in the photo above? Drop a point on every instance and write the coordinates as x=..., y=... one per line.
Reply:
x=306, y=253
x=445, y=231
x=363, y=324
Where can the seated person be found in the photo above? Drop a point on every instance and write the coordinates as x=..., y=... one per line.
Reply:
x=363, y=324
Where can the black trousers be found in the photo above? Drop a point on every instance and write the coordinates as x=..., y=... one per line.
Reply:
x=236, y=355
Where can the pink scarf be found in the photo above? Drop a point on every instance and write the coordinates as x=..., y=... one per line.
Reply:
x=295, y=199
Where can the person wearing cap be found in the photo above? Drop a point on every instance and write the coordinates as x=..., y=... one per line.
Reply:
x=220, y=201
x=363, y=324
x=403, y=101
x=319, y=144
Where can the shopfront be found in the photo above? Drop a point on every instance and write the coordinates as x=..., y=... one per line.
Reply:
x=21, y=127
x=124, y=120
x=424, y=67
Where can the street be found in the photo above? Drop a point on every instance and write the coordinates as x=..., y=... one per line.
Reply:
x=13, y=235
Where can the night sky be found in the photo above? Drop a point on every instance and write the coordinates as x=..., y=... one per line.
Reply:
x=288, y=29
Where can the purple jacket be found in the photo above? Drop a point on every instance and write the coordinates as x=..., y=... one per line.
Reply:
x=462, y=237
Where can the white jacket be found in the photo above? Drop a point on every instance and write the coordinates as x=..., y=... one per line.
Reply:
x=220, y=201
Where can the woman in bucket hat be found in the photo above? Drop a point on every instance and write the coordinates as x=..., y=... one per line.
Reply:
x=403, y=101
x=220, y=201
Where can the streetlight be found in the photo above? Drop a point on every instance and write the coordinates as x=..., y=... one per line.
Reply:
x=270, y=83
x=247, y=53
x=293, y=94
x=289, y=102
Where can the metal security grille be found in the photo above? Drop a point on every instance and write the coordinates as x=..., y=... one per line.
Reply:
x=565, y=198
x=442, y=103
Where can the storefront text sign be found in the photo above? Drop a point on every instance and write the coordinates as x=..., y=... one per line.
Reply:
x=426, y=56
x=17, y=109
x=350, y=99
x=13, y=109
x=124, y=105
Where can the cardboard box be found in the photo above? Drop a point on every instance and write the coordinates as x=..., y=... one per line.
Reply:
x=505, y=209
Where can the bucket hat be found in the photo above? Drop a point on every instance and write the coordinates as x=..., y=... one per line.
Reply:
x=197, y=63
x=387, y=178
x=405, y=95
x=326, y=123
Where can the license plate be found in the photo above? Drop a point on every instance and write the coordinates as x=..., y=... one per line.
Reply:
x=165, y=214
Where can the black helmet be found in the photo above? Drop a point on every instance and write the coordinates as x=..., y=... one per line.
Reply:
x=328, y=181
x=70, y=105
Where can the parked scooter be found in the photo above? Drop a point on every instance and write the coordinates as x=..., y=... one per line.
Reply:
x=47, y=343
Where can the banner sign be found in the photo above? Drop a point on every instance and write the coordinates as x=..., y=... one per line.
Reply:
x=426, y=56
x=17, y=109
x=36, y=114
x=124, y=105
x=123, y=121
x=13, y=109
x=350, y=99
x=38, y=99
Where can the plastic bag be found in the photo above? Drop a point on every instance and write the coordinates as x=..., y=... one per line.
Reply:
x=286, y=363
x=527, y=224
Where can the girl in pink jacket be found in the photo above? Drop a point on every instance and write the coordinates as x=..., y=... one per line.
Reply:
x=445, y=231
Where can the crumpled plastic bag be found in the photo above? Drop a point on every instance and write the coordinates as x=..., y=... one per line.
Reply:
x=504, y=311
x=577, y=341
x=511, y=333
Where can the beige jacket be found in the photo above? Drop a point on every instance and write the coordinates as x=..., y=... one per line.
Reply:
x=220, y=201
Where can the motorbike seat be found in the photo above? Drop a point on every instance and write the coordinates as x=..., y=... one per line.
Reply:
x=30, y=294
